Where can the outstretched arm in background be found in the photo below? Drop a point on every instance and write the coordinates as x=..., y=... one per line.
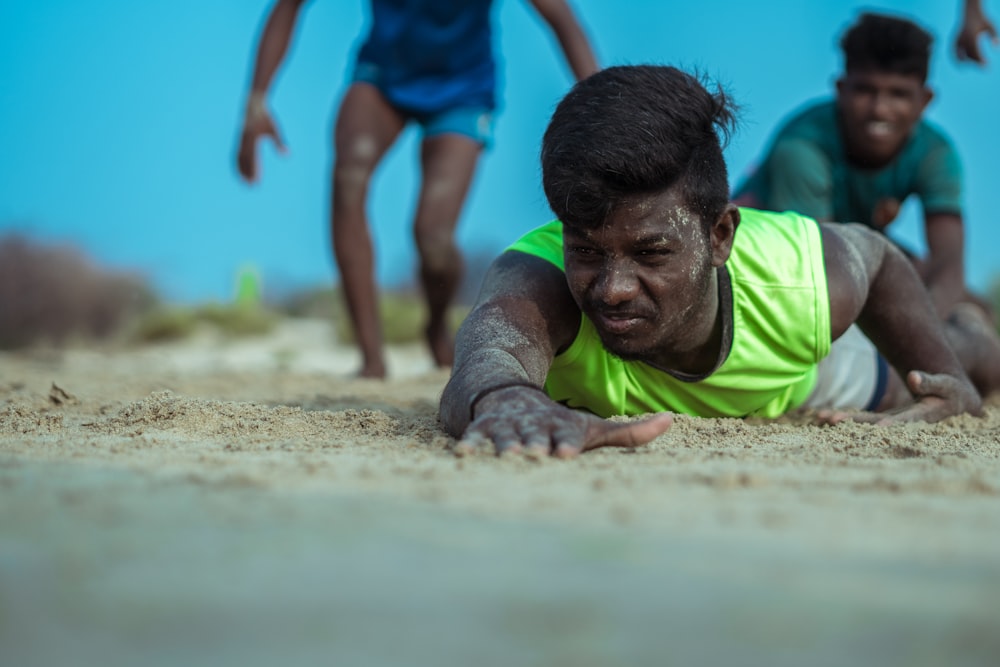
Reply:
x=870, y=281
x=524, y=316
x=569, y=32
x=943, y=270
x=974, y=24
x=257, y=120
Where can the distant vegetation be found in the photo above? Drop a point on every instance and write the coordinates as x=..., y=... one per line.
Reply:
x=54, y=295
x=402, y=311
x=233, y=320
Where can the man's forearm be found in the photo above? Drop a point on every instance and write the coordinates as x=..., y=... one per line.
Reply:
x=944, y=270
x=946, y=285
x=572, y=39
x=274, y=41
x=899, y=317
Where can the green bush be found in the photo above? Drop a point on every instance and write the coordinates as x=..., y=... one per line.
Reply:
x=164, y=324
x=239, y=319
x=402, y=312
x=176, y=322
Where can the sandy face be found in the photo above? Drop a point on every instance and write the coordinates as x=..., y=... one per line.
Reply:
x=247, y=503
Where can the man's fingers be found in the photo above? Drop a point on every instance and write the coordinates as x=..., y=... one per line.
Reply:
x=470, y=444
x=247, y=164
x=925, y=384
x=948, y=389
x=834, y=417
x=279, y=142
x=565, y=441
x=631, y=434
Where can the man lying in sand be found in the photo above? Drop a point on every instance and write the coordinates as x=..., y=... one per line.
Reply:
x=652, y=293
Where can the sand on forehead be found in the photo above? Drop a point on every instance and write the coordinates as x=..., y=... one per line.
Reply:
x=214, y=502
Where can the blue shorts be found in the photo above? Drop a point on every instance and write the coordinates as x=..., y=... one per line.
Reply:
x=473, y=122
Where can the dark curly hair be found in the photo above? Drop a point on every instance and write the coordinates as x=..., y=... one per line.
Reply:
x=887, y=43
x=636, y=130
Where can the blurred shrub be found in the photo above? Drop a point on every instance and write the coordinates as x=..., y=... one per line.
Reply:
x=53, y=294
x=164, y=323
x=402, y=311
x=177, y=322
x=320, y=302
x=238, y=319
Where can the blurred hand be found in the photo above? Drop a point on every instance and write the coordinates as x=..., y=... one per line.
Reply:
x=525, y=420
x=937, y=397
x=886, y=210
x=257, y=123
x=967, y=40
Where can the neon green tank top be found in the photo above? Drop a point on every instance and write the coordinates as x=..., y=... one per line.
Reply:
x=781, y=329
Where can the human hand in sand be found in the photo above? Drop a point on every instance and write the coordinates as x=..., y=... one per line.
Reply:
x=258, y=123
x=936, y=397
x=523, y=419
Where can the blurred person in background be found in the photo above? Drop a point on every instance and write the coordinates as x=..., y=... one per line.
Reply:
x=859, y=156
x=429, y=62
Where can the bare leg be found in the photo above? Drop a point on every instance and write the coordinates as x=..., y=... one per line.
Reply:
x=366, y=127
x=448, y=163
x=977, y=344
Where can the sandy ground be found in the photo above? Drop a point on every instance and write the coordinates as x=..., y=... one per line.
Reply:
x=214, y=503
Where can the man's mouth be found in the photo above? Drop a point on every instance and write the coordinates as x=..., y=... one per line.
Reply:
x=617, y=323
x=878, y=129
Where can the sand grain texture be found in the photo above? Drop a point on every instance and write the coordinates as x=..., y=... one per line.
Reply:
x=222, y=503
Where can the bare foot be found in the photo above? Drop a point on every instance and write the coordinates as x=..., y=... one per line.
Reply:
x=441, y=344
x=373, y=370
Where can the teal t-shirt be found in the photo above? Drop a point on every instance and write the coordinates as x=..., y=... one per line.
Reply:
x=806, y=170
x=781, y=330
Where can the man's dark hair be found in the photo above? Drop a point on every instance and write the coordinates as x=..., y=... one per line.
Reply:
x=636, y=130
x=888, y=44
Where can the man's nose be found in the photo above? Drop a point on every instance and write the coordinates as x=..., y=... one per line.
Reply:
x=617, y=284
x=881, y=105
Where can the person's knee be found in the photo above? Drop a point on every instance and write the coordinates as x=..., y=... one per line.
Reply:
x=355, y=162
x=437, y=249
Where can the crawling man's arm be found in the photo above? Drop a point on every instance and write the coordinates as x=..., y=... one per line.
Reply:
x=524, y=316
x=870, y=281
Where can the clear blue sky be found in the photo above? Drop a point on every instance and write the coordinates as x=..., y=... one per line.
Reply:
x=119, y=122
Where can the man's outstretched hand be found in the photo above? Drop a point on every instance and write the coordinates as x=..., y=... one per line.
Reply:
x=967, y=41
x=258, y=123
x=524, y=420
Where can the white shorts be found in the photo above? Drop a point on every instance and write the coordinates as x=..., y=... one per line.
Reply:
x=853, y=376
